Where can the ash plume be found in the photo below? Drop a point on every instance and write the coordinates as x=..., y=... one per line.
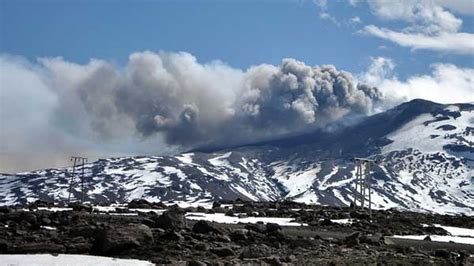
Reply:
x=164, y=103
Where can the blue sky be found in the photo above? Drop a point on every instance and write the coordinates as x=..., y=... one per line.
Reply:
x=240, y=33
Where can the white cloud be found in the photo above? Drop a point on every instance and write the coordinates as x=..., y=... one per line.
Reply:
x=323, y=4
x=355, y=20
x=328, y=17
x=325, y=15
x=447, y=83
x=354, y=2
x=459, y=42
x=461, y=6
x=425, y=16
x=380, y=69
x=430, y=25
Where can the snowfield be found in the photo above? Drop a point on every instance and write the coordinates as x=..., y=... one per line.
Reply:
x=222, y=218
x=66, y=260
x=458, y=235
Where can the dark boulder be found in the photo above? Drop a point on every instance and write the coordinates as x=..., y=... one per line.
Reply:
x=239, y=235
x=433, y=230
x=203, y=227
x=222, y=238
x=360, y=214
x=39, y=247
x=173, y=236
x=259, y=228
x=144, y=204
x=139, y=204
x=79, y=245
x=201, y=246
x=87, y=231
x=255, y=251
x=223, y=252
x=171, y=220
x=114, y=240
x=442, y=253
x=326, y=222
x=301, y=242
x=272, y=227
x=45, y=221
x=77, y=207
x=3, y=246
x=229, y=213
x=353, y=239
x=29, y=218
x=41, y=203
x=196, y=263
x=5, y=209
x=274, y=261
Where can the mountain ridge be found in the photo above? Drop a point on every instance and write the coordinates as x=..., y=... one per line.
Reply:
x=431, y=173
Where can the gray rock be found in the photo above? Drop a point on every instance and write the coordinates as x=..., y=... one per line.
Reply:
x=196, y=263
x=40, y=248
x=172, y=219
x=272, y=227
x=353, y=239
x=255, y=251
x=201, y=246
x=203, y=227
x=113, y=240
x=239, y=235
x=223, y=252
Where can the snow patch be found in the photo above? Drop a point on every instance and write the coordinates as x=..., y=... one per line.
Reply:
x=186, y=158
x=67, y=259
x=455, y=239
x=220, y=160
x=222, y=218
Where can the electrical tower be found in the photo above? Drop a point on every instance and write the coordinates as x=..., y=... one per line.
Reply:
x=78, y=162
x=362, y=195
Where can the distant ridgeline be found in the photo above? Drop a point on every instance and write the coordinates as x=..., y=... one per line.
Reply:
x=424, y=152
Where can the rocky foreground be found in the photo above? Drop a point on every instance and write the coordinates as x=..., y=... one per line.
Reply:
x=169, y=238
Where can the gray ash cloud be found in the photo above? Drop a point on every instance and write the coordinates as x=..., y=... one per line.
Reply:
x=167, y=102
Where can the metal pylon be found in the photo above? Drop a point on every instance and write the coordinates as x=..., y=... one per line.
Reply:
x=362, y=195
x=78, y=161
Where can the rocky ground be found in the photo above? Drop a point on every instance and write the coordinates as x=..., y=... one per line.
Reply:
x=170, y=238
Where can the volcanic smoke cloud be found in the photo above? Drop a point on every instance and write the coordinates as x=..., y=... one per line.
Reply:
x=166, y=102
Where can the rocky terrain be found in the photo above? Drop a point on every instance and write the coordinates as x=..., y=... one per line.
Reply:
x=163, y=235
x=424, y=153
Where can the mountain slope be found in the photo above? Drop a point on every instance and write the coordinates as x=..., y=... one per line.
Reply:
x=424, y=151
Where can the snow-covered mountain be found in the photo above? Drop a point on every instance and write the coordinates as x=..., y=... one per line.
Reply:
x=424, y=150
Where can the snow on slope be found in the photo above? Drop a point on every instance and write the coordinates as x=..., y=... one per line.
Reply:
x=427, y=170
x=296, y=182
x=430, y=133
x=426, y=165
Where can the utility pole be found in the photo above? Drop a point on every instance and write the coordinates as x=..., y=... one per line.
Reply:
x=363, y=183
x=78, y=162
